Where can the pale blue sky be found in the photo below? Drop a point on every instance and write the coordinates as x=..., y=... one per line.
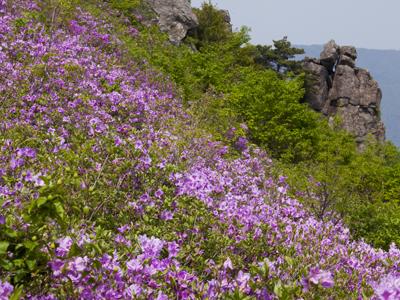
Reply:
x=363, y=23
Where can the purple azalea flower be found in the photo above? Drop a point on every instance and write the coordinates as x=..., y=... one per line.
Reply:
x=16, y=162
x=241, y=144
x=173, y=249
x=161, y=296
x=118, y=141
x=64, y=245
x=388, y=288
x=151, y=247
x=27, y=152
x=28, y=176
x=134, y=265
x=242, y=280
x=56, y=266
x=159, y=193
x=324, y=278
x=79, y=264
x=37, y=180
x=167, y=215
x=228, y=264
x=134, y=290
x=122, y=240
x=75, y=28
x=5, y=290
x=123, y=229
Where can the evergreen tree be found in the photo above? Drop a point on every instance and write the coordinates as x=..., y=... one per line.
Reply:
x=280, y=56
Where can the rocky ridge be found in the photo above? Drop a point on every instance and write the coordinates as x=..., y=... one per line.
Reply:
x=340, y=88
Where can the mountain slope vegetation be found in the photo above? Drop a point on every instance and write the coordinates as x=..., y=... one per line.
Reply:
x=134, y=169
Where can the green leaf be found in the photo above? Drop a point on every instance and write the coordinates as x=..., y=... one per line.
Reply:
x=6, y=264
x=18, y=262
x=41, y=201
x=19, y=246
x=3, y=247
x=30, y=245
x=278, y=289
x=11, y=233
x=74, y=251
x=97, y=264
x=289, y=260
x=17, y=294
x=31, y=264
x=19, y=276
x=60, y=210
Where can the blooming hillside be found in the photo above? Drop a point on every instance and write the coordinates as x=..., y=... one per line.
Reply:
x=108, y=192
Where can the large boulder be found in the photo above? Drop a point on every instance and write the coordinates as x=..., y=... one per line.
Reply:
x=356, y=85
x=361, y=121
x=318, y=84
x=348, y=56
x=227, y=18
x=329, y=55
x=174, y=17
x=338, y=87
x=345, y=85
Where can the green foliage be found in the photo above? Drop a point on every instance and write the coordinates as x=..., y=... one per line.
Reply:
x=272, y=110
x=324, y=177
x=54, y=13
x=378, y=223
x=125, y=5
x=27, y=244
x=212, y=27
x=375, y=216
x=359, y=187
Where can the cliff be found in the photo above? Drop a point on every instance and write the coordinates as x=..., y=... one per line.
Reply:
x=339, y=87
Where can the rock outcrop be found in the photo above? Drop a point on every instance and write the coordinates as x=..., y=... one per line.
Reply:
x=227, y=18
x=338, y=87
x=174, y=17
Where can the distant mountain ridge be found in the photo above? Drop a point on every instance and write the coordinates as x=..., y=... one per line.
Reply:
x=384, y=65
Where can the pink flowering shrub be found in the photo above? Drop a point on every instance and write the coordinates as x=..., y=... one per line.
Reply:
x=5, y=290
x=388, y=288
x=106, y=192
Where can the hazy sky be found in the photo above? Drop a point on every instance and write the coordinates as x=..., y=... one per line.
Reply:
x=363, y=23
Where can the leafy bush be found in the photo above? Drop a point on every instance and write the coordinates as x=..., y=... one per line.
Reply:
x=125, y=6
x=277, y=120
x=212, y=28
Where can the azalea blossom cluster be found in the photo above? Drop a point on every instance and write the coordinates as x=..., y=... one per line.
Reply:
x=179, y=217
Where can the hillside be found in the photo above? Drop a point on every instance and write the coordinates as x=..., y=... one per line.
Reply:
x=136, y=168
x=384, y=66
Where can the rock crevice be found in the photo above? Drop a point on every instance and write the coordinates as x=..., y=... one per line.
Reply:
x=338, y=87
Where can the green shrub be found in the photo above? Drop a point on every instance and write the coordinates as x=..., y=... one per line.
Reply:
x=272, y=110
x=212, y=27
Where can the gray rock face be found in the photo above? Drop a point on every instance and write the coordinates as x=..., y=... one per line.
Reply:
x=329, y=55
x=319, y=85
x=174, y=17
x=338, y=87
x=348, y=56
x=227, y=18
